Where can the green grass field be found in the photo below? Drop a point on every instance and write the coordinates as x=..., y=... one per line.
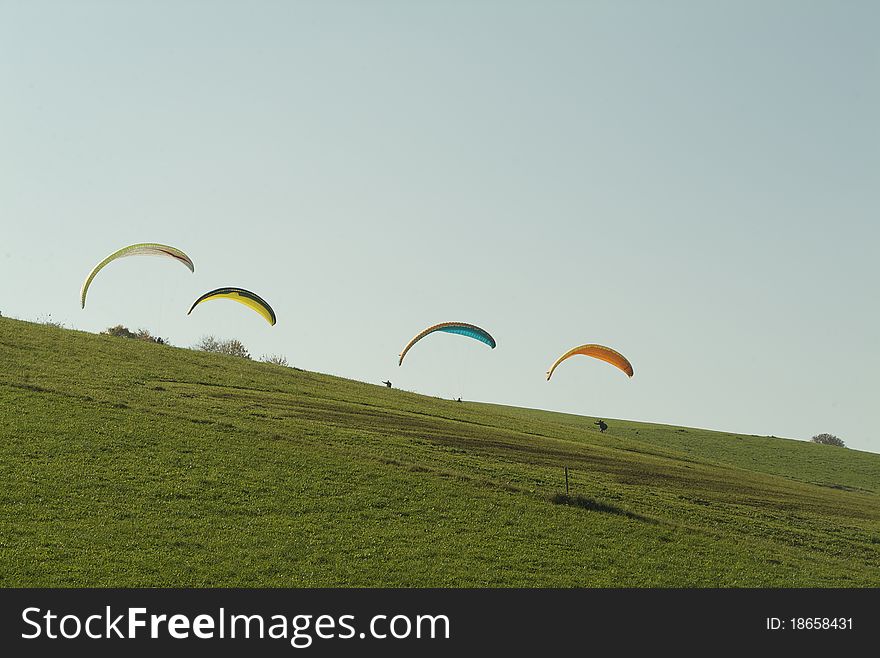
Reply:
x=125, y=463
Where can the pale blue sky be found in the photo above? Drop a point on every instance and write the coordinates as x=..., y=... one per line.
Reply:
x=696, y=184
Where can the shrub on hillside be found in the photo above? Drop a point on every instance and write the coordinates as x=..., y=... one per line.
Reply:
x=121, y=331
x=828, y=440
x=277, y=359
x=230, y=347
x=49, y=322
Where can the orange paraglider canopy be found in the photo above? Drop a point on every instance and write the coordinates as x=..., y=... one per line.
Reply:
x=598, y=352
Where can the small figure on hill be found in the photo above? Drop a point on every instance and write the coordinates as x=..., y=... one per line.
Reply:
x=458, y=399
x=388, y=384
x=602, y=426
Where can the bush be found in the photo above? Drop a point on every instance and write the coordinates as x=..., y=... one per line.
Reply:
x=231, y=347
x=49, y=322
x=828, y=440
x=121, y=331
x=277, y=359
x=208, y=344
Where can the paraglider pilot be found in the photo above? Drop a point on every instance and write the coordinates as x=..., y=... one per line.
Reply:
x=388, y=384
x=602, y=426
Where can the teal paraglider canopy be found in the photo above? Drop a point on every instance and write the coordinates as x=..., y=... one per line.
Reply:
x=460, y=328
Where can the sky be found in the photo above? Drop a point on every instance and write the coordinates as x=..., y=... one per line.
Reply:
x=695, y=184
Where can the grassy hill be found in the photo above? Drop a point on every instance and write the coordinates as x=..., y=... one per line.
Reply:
x=125, y=463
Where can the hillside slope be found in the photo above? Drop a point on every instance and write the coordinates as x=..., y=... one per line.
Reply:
x=131, y=464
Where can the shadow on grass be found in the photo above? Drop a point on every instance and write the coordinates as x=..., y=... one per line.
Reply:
x=595, y=506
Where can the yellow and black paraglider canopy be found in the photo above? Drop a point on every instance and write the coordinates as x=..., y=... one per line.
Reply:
x=242, y=296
